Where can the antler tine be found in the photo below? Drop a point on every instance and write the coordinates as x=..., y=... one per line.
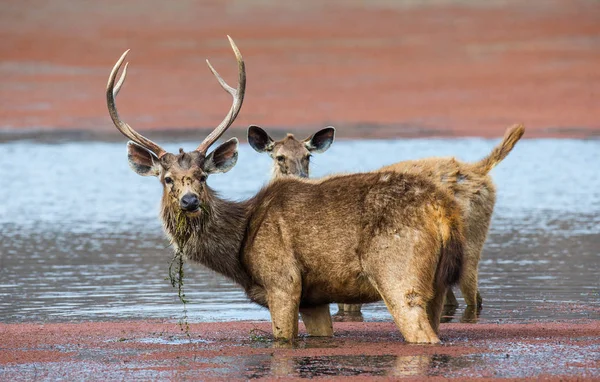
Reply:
x=238, y=99
x=117, y=88
x=111, y=92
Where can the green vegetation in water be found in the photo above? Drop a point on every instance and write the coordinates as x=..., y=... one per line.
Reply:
x=257, y=335
x=176, y=273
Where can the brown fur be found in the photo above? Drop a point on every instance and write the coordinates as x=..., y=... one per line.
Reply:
x=469, y=182
x=474, y=190
x=291, y=157
x=302, y=244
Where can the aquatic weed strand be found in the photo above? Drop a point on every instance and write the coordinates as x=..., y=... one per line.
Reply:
x=176, y=276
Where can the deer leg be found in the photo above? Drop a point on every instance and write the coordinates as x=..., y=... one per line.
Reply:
x=317, y=321
x=284, y=307
x=450, y=298
x=402, y=271
x=407, y=302
x=476, y=232
x=435, y=308
x=468, y=285
x=349, y=308
x=409, y=311
x=469, y=281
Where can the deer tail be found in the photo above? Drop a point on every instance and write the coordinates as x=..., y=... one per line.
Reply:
x=511, y=137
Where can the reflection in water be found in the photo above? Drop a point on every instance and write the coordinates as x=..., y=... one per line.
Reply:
x=91, y=246
x=284, y=365
x=518, y=358
x=448, y=313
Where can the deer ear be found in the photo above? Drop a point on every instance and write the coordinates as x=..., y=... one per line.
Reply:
x=142, y=161
x=223, y=158
x=259, y=139
x=321, y=140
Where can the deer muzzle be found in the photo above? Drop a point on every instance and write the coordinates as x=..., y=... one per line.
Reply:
x=189, y=203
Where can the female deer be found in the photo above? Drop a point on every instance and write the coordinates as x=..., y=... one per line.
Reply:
x=470, y=183
x=292, y=157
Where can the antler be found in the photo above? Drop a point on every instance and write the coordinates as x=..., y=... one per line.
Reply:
x=117, y=88
x=111, y=92
x=238, y=99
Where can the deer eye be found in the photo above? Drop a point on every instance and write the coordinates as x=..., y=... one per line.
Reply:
x=280, y=158
x=168, y=180
x=202, y=178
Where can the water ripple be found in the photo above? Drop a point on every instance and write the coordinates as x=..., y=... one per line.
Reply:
x=81, y=237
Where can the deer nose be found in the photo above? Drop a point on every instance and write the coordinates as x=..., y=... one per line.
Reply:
x=189, y=202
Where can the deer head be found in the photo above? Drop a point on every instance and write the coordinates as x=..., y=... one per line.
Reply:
x=290, y=156
x=183, y=175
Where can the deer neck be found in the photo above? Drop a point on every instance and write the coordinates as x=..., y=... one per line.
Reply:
x=214, y=238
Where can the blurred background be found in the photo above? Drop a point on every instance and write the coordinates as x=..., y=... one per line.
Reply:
x=80, y=234
x=379, y=68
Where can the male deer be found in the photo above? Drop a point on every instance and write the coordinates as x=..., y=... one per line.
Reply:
x=292, y=157
x=300, y=244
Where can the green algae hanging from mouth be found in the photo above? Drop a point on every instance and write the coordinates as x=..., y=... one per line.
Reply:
x=176, y=273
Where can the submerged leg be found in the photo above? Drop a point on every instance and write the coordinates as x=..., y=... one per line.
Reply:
x=448, y=313
x=450, y=298
x=434, y=309
x=317, y=321
x=349, y=308
x=468, y=286
x=476, y=230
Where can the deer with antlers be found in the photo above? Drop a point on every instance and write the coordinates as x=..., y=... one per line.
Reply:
x=300, y=244
x=470, y=183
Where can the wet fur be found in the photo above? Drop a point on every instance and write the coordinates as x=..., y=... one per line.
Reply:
x=401, y=237
x=468, y=182
x=291, y=157
x=474, y=191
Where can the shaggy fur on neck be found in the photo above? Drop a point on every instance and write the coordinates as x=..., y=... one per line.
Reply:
x=213, y=238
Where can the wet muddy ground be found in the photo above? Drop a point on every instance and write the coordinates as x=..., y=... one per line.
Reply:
x=244, y=350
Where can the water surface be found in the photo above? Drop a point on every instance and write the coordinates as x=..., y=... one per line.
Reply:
x=81, y=239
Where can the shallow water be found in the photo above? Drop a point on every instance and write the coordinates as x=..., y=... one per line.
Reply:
x=81, y=239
